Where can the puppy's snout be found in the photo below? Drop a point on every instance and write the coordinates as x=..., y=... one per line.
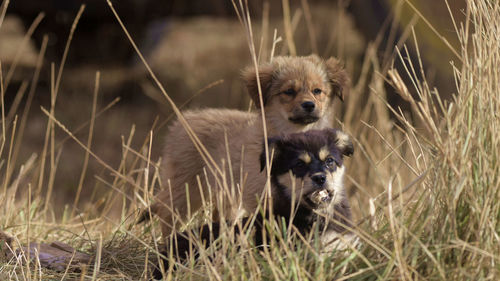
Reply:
x=319, y=180
x=308, y=106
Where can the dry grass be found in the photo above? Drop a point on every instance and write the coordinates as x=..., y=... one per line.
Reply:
x=426, y=188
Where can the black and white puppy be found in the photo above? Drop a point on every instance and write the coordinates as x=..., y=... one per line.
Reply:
x=307, y=177
x=307, y=190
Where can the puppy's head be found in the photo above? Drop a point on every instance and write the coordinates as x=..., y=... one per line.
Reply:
x=297, y=89
x=311, y=165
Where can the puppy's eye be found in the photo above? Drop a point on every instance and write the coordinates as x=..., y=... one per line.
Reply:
x=317, y=91
x=289, y=92
x=329, y=161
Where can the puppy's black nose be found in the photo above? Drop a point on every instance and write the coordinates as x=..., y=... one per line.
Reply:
x=308, y=106
x=319, y=179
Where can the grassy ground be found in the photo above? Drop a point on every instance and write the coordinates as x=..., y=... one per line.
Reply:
x=425, y=183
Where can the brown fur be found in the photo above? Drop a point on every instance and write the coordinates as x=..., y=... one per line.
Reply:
x=284, y=112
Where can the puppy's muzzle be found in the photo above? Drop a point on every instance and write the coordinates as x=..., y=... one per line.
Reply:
x=305, y=113
x=304, y=117
x=308, y=106
x=321, y=195
x=319, y=180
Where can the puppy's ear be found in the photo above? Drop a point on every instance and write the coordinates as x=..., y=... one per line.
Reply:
x=338, y=77
x=273, y=146
x=265, y=76
x=342, y=141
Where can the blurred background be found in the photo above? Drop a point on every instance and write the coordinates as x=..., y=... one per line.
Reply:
x=197, y=49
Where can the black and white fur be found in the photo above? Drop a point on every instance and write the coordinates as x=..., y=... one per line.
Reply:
x=308, y=168
x=307, y=177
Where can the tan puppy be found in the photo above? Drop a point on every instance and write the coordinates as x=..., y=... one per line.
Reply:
x=298, y=93
x=308, y=192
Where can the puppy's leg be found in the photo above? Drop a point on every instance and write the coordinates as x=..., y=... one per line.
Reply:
x=176, y=204
x=181, y=245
